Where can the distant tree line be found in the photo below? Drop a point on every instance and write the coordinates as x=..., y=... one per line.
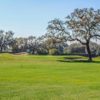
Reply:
x=32, y=45
x=44, y=45
x=81, y=28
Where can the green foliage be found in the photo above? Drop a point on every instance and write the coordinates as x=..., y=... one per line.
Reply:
x=53, y=52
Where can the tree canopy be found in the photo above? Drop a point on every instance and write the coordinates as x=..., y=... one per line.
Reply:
x=82, y=25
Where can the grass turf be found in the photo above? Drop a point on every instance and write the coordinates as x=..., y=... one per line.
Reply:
x=27, y=77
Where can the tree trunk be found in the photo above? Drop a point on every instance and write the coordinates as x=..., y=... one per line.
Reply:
x=1, y=49
x=89, y=52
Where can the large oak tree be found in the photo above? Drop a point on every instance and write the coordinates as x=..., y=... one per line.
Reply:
x=83, y=25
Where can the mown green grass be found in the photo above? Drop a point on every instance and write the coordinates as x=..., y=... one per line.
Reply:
x=27, y=77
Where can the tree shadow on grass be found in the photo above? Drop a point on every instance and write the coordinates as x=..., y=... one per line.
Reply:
x=77, y=60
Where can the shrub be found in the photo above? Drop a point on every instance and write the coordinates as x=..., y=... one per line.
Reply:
x=53, y=52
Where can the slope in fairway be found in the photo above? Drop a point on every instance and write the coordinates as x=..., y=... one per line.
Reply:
x=27, y=77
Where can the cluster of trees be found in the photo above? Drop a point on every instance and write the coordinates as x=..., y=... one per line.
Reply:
x=77, y=48
x=82, y=26
x=6, y=40
x=40, y=45
x=46, y=44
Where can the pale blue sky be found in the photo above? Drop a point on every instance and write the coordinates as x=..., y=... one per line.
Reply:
x=31, y=17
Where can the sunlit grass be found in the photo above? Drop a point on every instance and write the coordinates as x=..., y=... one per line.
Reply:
x=27, y=77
